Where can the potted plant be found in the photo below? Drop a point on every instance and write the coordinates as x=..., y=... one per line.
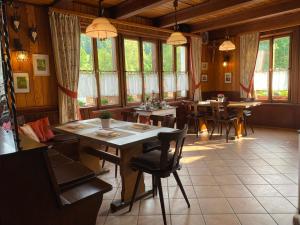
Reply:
x=105, y=117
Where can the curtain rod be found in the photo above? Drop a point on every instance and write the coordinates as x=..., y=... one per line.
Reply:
x=117, y=22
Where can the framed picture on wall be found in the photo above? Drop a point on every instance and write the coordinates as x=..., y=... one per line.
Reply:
x=21, y=81
x=228, y=78
x=204, y=66
x=204, y=78
x=40, y=65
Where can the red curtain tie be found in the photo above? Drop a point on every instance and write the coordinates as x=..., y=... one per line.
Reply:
x=71, y=94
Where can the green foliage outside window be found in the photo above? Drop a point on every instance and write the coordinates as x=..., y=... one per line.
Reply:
x=86, y=53
x=167, y=58
x=131, y=55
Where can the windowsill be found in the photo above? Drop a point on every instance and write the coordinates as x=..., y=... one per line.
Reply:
x=279, y=103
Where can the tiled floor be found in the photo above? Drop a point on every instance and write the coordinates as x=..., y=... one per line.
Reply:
x=250, y=181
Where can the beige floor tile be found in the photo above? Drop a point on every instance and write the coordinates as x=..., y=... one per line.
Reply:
x=235, y=163
x=152, y=220
x=256, y=219
x=283, y=219
x=105, y=208
x=208, y=191
x=287, y=190
x=152, y=206
x=243, y=170
x=180, y=207
x=292, y=176
x=213, y=163
x=187, y=220
x=276, y=205
x=246, y=205
x=100, y=220
x=215, y=206
x=252, y=179
x=124, y=212
x=124, y=220
x=185, y=180
x=223, y=219
x=293, y=200
x=277, y=179
x=286, y=169
x=263, y=190
x=227, y=179
x=203, y=180
x=175, y=192
x=257, y=162
x=199, y=171
x=265, y=170
x=221, y=170
x=235, y=191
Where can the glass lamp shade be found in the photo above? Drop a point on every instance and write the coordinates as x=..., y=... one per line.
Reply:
x=227, y=45
x=101, y=28
x=176, y=38
x=22, y=56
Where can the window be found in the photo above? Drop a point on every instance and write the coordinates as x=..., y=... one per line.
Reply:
x=181, y=72
x=169, y=78
x=108, y=74
x=175, y=75
x=151, y=81
x=271, y=77
x=134, y=83
x=87, y=89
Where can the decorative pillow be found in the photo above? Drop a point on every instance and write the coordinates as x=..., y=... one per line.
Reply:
x=29, y=132
x=47, y=132
x=37, y=128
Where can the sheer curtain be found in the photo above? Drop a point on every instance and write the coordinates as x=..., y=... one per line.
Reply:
x=109, y=84
x=182, y=81
x=151, y=82
x=134, y=83
x=87, y=86
x=248, y=53
x=169, y=81
x=65, y=32
x=195, y=56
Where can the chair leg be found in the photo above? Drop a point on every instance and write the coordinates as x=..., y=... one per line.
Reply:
x=161, y=198
x=154, y=186
x=196, y=125
x=116, y=166
x=245, y=125
x=212, y=131
x=181, y=188
x=103, y=161
x=135, y=189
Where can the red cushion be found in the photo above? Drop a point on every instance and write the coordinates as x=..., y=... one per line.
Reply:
x=42, y=129
x=47, y=132
x=37, y=128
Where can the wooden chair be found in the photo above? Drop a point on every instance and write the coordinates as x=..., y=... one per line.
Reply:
x=161, y=163
x=129, y=117
x=166, y=121
x=247, y=113
x=221, y=117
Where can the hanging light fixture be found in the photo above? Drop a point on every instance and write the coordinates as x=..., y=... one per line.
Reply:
x=227, y=45
x=176, y=38
x=101, y=27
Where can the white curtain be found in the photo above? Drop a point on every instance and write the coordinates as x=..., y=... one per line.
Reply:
x=87, y=86
x=134, y=83
x=169, y=81
x=248, y=53
x=109, y=84
x=65, y=32
x=182, y=81
x=196, y=53
x=151, y=82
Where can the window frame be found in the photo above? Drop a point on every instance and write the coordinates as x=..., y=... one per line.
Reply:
x=271, y=38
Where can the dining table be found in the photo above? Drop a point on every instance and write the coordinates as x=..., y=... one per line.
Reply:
x=127, y=137
x=237, y=106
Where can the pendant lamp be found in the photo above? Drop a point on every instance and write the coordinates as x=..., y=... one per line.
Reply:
x=101, y=27
x=227, y=45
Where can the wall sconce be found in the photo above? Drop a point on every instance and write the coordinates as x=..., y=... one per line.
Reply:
x=226, y=60
x=16, y=21
x=21, y=54
x=33, y=34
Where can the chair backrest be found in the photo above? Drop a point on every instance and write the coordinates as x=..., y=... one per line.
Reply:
x=219, y=110
x=130, y=116
x=166, y=121
x=166, y=139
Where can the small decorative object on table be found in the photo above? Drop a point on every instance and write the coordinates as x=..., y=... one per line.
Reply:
x=221, y=97
x=105, y=117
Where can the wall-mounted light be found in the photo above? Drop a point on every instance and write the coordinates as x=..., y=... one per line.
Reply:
x=226, y=60
x=21, y=54
x=16, y=21
x=33, y=34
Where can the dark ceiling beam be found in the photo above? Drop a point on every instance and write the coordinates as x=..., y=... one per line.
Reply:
x=264, y=12
x=203, y=10
x=261, y=25
x=131, y=8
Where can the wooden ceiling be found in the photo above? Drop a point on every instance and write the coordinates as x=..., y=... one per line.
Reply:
x=199, y=15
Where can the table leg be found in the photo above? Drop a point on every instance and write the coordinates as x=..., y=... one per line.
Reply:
x=128, y=177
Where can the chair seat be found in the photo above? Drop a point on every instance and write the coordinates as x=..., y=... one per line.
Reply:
x=149, y=162
x=247, y=113
x=149, y=146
